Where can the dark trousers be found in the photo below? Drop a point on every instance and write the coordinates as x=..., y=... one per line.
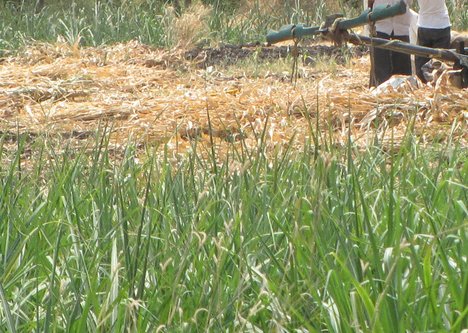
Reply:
x=436, y=38
x=387, y=63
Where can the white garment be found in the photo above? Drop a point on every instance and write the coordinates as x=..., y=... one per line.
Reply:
x=399, y=25
x=433, y=14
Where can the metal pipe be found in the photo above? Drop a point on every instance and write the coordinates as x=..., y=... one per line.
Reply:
x=402, y=47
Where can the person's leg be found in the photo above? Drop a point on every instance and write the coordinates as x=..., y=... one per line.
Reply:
x=382, y=63
x=424, y=39
x=401, y=62
x=441, y=38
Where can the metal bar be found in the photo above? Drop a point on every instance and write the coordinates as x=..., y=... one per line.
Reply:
x=421, y=51
x=298, y=31
x=378, y=13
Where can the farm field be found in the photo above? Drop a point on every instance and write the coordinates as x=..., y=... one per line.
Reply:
x=154, y=190
x=155, y=96
x=197, y=189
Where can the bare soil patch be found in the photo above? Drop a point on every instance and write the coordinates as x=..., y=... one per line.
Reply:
x=232, y=54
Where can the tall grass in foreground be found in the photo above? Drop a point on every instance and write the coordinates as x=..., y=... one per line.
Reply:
x=332, y=240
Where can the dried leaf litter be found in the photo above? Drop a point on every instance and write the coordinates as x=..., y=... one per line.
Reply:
x=151, y=95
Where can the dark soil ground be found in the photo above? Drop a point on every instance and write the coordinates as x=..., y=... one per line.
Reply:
x=232, y=54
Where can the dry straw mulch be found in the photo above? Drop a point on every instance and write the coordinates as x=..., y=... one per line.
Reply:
x=157, y=96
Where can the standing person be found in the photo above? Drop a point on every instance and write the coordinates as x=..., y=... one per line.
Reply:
x=433, y=29
x=386, y=63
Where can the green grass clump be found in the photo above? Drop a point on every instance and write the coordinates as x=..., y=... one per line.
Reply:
x=94, y=23
x=329, y=239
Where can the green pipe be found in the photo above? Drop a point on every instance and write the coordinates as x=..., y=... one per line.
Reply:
x=298, y=31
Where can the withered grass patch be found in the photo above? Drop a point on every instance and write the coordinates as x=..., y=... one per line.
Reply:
x=155, y=95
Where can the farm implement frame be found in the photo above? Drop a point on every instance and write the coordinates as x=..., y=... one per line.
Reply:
x=337, y=29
